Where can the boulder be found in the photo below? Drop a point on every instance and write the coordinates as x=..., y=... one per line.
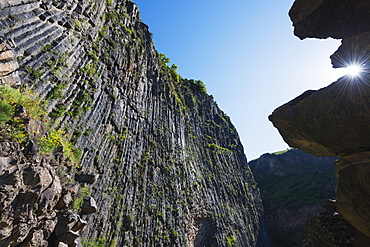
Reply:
x=330, y=229
x=68, y=227
x=353, y=203
x=30, y=198
x=7, y=67
x=354, y=50
x=86, y=178
x=330, y=18
x=6, y=55
x=65, y=200
x=89, y=205
x=328, y=122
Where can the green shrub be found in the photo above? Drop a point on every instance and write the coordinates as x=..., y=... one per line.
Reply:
x=57, y=92
x=14, y=17
x=98, y=242
x=231, y=241
x=165, y=60
x=76, y=135
x=14, y=96
x=77, y=203
x=6, y=112
x=129, y=31
x=201, y=85
x=55, y=139
x=58, y=111
x=77, y=23
x=9, y=97
x=17, y=130
x=76, y=153
x=49, y=143
x=35, y=73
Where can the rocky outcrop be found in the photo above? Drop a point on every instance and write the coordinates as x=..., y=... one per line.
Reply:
x=334, y=120
x=293, y=186
x=334, y=128
x=36, y=206
x=329, y=228
x=172, y=170
x=35, y=202
x=330, y=18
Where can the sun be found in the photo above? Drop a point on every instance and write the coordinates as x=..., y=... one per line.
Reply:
x=353, y=70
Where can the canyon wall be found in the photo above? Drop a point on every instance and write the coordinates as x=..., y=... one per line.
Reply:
x=334, y=120
x=171, y=168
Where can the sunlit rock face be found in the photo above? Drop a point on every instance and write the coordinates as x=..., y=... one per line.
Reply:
x=335, y=120
x=172, y=170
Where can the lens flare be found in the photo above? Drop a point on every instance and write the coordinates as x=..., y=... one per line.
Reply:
x=353, y=70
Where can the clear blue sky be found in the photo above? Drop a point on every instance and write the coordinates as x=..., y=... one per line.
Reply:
x=246, y=54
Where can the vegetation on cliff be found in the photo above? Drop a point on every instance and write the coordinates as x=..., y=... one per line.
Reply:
x=14, y=102
x=172, y=170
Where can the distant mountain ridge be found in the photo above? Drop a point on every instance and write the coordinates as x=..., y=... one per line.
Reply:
x=291, y=162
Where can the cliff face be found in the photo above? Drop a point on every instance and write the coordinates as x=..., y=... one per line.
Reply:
x=334, y=120
x=172, y=170
x=293, y=185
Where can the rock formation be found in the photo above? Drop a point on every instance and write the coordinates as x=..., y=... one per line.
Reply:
x=293, y=186
x=36, y=190
x=334, y=120
x=172, y=170
x=34, y=202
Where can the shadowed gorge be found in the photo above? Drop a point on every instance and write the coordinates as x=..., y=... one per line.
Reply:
x=294, y=185
x=168, y=166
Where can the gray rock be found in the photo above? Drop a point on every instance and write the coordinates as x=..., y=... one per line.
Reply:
x=86, y=178
x=337, y=128
x=325, y=18
x=28, y=197
x=329, y=205
x=5, y=230
x=61, y=244
x=68, y=227
x=6, y=163
x=88, y=206
x=64, y=201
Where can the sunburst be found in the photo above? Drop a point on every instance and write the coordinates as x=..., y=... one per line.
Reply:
x=354, y=70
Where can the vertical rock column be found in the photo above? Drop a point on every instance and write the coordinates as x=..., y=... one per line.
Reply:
x=8, y=63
